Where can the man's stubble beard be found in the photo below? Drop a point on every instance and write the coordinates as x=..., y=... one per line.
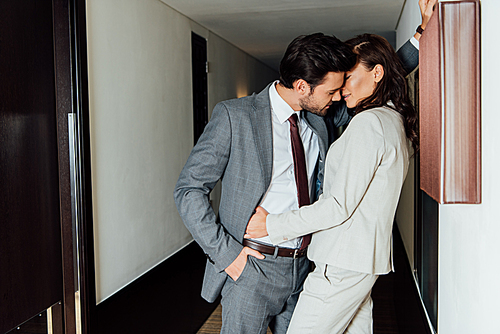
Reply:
x=307, y=105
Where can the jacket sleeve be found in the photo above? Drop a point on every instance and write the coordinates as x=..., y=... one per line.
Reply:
x=337, y=116
x=358, y=164
x=342, y=116
x=204, y=167
x=408, y=54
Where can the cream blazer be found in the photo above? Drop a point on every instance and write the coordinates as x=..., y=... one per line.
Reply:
x=352, y=220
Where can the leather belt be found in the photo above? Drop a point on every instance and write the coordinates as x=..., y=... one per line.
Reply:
x=265, y=249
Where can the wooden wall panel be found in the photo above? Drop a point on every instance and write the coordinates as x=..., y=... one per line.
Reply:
x=450, y=131
x=430, y=111
x=30, y=235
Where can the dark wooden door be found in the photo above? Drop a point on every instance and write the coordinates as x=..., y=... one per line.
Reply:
x=30, y=234
x=200, y=93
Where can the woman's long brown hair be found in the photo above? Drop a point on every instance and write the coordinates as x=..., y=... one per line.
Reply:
x=372, y=50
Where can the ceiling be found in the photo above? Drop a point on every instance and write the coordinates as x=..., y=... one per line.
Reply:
x=263, y=28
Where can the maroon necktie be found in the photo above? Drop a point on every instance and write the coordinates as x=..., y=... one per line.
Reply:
x=299, y=165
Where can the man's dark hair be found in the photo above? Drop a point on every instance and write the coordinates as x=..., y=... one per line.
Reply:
x=311, y=57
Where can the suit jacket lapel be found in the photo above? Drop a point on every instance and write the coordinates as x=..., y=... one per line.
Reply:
x=317, y=124
x=261, y=120
x=262, y=129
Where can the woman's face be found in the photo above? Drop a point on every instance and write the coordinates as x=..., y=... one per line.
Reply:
x=360, y=84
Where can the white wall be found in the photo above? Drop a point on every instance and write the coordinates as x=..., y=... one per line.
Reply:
x=141, y=128
x=469, y=246
x=233, y=73
x=405, y=214
x=408, y=23
x=410, y=19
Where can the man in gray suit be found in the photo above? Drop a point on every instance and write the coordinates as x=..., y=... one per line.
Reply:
x=247, y=145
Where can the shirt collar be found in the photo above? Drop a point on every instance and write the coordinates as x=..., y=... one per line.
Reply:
x=281, y=109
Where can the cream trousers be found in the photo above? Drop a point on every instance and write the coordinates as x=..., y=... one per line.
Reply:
x=334, y=301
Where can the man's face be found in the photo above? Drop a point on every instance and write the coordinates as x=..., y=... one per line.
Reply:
x=324, y=94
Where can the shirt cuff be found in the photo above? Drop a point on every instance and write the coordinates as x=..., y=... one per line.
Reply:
x=415, y=43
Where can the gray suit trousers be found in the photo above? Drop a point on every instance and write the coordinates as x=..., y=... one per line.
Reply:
x=264, y=295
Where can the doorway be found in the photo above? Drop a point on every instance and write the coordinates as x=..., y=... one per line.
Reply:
x=39, y=94
x=200, y=90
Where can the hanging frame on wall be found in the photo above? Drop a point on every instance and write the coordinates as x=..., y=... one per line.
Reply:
x=450, y=104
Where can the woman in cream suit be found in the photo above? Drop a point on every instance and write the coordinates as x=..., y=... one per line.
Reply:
x=352, y=220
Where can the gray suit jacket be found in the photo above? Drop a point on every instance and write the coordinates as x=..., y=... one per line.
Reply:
x=236, y=147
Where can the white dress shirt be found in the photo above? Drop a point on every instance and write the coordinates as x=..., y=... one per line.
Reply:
x=281, y=196
x=415, y=43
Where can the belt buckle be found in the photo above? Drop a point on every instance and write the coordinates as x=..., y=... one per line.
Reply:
x=296, y=253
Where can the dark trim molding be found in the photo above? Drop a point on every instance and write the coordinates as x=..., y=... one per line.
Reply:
x=83, y=164
x=62, y=66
